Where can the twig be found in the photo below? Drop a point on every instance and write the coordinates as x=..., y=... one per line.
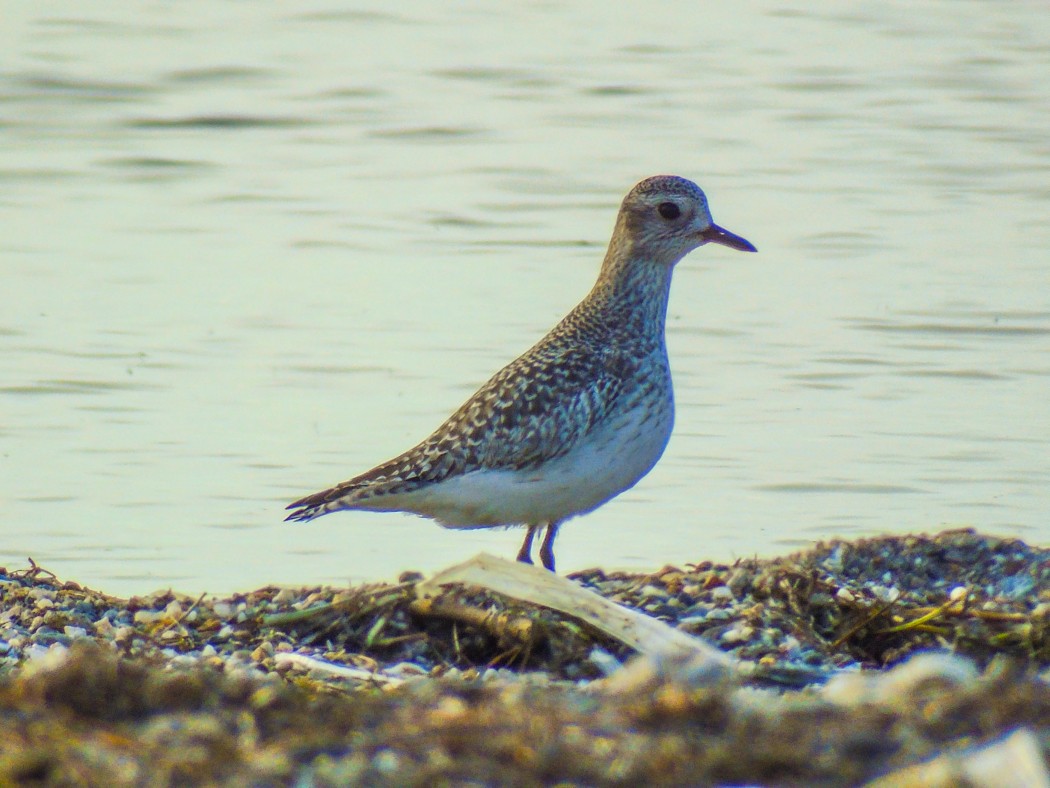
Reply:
x=501, y=625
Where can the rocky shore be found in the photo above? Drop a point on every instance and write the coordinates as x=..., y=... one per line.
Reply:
x=892, y=659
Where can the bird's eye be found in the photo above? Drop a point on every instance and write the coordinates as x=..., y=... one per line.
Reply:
x=669, y=210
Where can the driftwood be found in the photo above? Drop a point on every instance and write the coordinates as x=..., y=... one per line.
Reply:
x=663, y=648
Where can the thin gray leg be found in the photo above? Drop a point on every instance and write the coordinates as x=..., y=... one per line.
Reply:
x=525, y=553
x=547, y=548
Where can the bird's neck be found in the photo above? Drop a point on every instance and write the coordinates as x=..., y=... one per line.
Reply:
x=633, y=291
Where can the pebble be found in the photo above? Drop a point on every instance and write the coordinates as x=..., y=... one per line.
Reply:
x=722, y=594
x=285, y=596
x=738, y=634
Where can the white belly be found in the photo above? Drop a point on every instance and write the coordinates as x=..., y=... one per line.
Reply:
x=608, y=462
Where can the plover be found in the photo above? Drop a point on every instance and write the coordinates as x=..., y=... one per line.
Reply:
x=577, y=419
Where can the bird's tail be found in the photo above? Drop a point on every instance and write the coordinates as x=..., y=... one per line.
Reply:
x=315, y=505
x=361, y=492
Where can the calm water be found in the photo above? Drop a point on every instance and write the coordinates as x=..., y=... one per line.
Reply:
x=250, y=250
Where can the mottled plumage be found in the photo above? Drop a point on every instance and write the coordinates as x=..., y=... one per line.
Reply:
x=580, y=417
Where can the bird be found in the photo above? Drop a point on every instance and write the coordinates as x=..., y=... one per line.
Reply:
x=578, y=418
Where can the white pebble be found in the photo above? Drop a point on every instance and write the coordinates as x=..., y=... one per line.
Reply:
x=789, y=644
x=604, y=661
x=52, y=655
x=884, y=594
x=738, y=634
x=721, y=594
x=385, y=761
x=284, y=596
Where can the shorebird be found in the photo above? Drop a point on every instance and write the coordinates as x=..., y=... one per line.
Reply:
x=577, y=419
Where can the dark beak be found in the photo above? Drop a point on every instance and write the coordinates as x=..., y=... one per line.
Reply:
x=717, y=235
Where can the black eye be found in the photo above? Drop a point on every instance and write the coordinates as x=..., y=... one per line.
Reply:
x=669, y=210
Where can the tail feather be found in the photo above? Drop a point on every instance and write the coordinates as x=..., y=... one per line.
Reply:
x=399, y=475
x=357, y=493
x=317, y=504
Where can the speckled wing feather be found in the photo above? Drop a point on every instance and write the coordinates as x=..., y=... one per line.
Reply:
x=534, y=410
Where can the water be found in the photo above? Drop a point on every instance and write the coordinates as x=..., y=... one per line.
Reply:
x=252, y=250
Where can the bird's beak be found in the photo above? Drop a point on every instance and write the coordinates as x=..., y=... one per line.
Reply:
x=718, y=235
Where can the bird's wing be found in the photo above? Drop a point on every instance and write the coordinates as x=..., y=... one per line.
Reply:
x=533, y=410
x=540, y=409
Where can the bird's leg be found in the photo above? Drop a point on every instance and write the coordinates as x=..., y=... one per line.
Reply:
x=525, y=553
x=547, y=548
